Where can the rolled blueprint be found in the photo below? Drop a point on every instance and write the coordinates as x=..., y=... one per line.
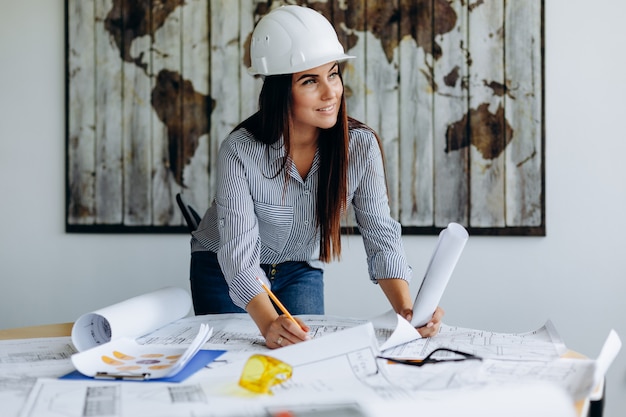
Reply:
x=450, y=244
x=133, y=317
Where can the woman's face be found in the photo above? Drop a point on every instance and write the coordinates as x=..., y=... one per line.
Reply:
x=316, y=97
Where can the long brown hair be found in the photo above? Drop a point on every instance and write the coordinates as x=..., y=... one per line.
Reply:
x=272, y=121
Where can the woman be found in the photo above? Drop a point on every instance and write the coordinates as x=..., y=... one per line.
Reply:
x=286, y=177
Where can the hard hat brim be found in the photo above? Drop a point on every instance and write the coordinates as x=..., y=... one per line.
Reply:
x=306, y=66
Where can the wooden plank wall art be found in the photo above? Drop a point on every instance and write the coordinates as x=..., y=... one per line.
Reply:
x=454, y=88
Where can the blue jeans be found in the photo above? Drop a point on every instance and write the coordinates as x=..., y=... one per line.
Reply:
x=297, y=285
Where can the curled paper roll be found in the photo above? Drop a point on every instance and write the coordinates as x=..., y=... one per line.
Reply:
x=450, y=244
x=132, y=318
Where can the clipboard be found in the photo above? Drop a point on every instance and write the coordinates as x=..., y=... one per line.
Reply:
x=450, y=245
x=125, y=359
x=199, y=361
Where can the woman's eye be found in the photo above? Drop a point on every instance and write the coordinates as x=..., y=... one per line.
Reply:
x=333, y=75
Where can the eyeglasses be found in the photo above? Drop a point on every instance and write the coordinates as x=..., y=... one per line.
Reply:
x=429, y=359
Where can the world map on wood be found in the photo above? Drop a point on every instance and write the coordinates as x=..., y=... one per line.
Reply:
x=453, y=87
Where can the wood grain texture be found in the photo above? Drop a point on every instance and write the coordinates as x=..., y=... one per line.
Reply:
x=450, y=104
x=81, y=120
x=454, y=89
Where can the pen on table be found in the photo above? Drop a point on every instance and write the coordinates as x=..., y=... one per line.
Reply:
x=277, y=302
x=405, y=361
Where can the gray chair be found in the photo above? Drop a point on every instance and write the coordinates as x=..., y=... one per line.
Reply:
x=596, y=407
x=192, y=218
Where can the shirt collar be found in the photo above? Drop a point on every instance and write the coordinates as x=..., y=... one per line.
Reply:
x=277, y=154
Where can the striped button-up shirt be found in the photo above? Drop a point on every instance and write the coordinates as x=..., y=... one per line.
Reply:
x=259, y=216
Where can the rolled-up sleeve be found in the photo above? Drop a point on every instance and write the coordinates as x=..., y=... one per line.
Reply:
x=239, y=250
x=382, y=235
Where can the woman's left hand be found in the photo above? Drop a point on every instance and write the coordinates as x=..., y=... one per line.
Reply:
x=397, y=292
x=433, y=326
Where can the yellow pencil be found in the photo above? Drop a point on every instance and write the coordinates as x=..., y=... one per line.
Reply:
x=277, y=302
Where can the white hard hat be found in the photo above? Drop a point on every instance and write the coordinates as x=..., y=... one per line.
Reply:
x=291, y=39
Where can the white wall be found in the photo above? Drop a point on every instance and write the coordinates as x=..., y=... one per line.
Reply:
x=576, y=276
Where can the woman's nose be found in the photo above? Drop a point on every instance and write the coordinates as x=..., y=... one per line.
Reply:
x=328, y=91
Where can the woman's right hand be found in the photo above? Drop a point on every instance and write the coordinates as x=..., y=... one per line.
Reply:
x=283, y=332
x=278, y=331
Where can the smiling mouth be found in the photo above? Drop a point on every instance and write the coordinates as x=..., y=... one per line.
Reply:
x=328, y=108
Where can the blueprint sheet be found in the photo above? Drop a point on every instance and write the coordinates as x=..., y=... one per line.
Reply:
x=338, y=368
x=338, y=365
x=540, y=344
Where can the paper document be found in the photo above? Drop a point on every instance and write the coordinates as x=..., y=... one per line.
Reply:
x=131, y=318
x=610, y=349
x=22, y=361
x=239, y=334
x=108, y=345
x=399, y=330
x=124, y=358
x=541, y=344
x=341, y=366
x=338, y=368
x=450, y=244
